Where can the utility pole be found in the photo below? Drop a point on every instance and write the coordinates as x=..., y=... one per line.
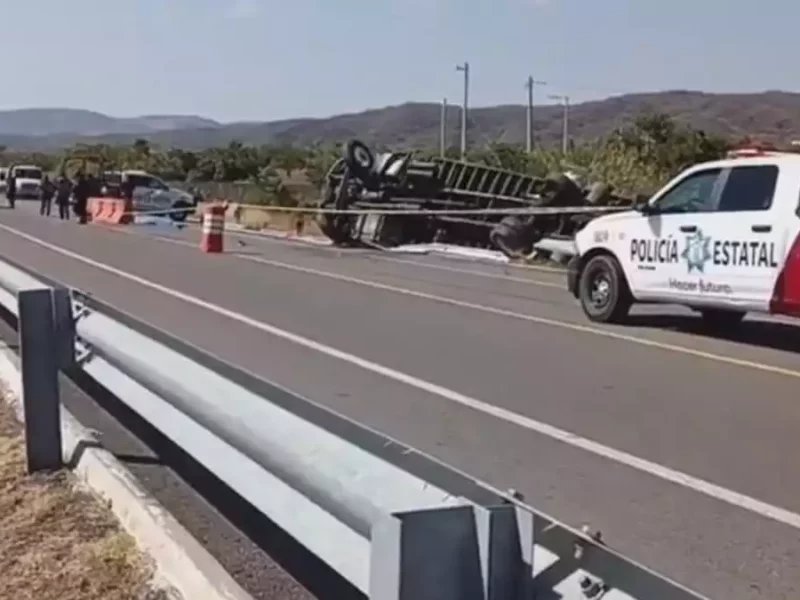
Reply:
x=529, y=137
x=443, y=129
x=564, y=99
x=465, y=69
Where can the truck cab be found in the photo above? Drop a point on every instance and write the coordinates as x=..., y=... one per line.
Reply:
x=721, y=238
x=29, y=181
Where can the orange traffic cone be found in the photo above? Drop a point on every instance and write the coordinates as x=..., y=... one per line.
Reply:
x=213, y=228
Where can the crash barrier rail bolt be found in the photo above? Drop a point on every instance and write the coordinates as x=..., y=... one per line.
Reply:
x=213, y=228
x=389, y=533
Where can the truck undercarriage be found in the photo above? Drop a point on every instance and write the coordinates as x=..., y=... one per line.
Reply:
x=395, y=200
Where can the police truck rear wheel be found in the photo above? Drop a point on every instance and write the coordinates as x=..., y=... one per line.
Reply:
x=179, y=217
x=603, y=290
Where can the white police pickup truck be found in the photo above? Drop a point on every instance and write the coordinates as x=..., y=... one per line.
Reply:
x=721, y=238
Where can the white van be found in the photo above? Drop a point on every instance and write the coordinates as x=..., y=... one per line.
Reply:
x=29, y=181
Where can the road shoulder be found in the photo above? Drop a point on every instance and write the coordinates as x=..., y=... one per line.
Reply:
x=58, y=539
x=168, y=558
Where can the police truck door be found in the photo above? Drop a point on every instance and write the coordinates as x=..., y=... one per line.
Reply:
x=747, y=238
x=667, y=243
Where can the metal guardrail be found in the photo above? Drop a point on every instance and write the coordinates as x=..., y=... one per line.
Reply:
x=393, y=523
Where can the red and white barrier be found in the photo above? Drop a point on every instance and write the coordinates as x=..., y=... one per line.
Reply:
x=213, y=228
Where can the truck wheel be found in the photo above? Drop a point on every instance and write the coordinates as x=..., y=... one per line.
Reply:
x=599, y=194
x=603, y=290
x=722, y=319
x=338, y=228
x=506, y=236
x=567, y=193
x=359, y=158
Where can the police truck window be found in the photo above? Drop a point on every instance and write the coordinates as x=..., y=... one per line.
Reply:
x=693, y=194
x=749, y=188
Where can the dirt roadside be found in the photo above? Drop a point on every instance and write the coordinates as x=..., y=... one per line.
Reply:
x=58, y=541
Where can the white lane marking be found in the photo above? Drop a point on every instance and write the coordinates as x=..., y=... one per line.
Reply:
x=650, y=343
x=662, y=472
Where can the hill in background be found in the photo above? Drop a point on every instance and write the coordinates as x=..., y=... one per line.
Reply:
x=46, y=122
x=770, y=116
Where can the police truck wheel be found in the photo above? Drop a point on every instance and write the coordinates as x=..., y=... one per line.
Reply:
x=179, y=217
x=719, y=319
x=603, y=290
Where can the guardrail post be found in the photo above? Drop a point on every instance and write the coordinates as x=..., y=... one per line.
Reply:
x=454, y=553
x=505, y=541
x=39, y=365
x=64, y=324
x=425, y=555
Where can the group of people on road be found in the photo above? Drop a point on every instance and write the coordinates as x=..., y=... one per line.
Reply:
x=61, y=190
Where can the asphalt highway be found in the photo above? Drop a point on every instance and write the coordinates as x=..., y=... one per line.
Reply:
x=682, y=448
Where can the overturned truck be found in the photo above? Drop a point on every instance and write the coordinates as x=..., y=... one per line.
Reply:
x=394, y=199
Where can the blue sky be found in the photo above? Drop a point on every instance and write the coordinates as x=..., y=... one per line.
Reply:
x=273, y=59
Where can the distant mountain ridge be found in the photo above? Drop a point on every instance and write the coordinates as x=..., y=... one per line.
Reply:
x=45, y=122
x=770, y=116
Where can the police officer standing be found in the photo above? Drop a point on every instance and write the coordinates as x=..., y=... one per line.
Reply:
x=81, y=192
x=62, y=197
x=11, y=190
x=48, y=191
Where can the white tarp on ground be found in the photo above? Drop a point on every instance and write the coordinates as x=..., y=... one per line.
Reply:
x=449, y=250
x=565, y=248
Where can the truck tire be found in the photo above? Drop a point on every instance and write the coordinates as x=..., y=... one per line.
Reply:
x=337, y=228
x=359, y=159
x=566, y=193
x=599, y=194
x=514, y=236
x=603, y=290
x=721, y=319
x=506, y=234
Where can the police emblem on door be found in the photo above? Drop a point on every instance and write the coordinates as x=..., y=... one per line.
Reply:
x=697, y=252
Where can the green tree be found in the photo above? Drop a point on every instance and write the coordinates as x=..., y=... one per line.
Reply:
x=319, y=162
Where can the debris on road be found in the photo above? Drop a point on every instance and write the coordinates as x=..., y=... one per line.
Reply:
x=58, y=541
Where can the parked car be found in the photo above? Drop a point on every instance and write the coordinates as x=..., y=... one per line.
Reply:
x=151, y=195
